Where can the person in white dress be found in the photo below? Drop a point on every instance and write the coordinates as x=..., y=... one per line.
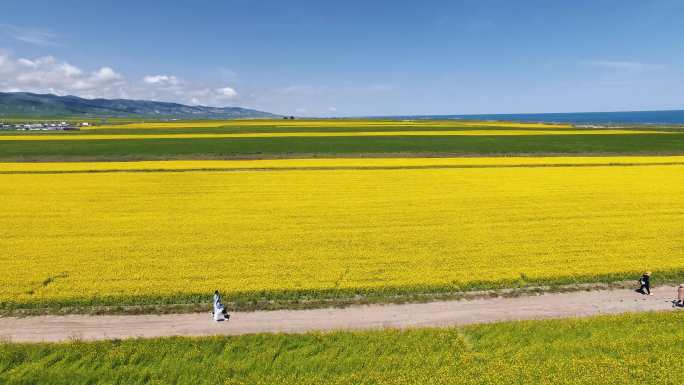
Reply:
x=219, y=312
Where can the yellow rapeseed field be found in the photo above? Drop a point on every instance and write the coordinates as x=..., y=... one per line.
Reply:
x=70, y=136
x=335, y=163
x=168, y=234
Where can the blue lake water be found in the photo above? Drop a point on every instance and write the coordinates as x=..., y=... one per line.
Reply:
x=627, y=117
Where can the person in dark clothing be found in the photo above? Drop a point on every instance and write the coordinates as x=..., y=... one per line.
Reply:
x=645, y=282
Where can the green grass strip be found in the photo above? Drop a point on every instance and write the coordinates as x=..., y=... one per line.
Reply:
x=306, y=299
x=264, y=148
x=610, y=350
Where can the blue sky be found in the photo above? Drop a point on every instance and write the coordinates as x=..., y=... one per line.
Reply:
x=353, y=58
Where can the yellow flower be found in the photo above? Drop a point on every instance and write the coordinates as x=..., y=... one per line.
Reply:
x=331, y=224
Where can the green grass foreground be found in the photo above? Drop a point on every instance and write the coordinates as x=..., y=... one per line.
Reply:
x=629, y=349
x=227, y=148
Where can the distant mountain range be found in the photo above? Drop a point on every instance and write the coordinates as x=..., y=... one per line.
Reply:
x=24, y=104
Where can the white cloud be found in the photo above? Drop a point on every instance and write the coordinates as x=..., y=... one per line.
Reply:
x=161, y=80
x=48, y=74
x=226, y=92
x=72, y=71
x=332, y=109
x=106, y=74
x=623, y=66
x=30, y=35
x=26, y=63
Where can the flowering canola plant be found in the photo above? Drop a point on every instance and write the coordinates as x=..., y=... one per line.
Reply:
x=163, y=235
x=336, y=163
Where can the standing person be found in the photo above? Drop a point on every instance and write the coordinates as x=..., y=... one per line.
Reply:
x=217, y=299
x=219, y=309
x=680, y=295
x=645, y=282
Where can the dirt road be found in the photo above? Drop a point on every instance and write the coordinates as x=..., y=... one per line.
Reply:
x=434, y=314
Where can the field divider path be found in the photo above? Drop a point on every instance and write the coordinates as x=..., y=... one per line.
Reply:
x=412, y=315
